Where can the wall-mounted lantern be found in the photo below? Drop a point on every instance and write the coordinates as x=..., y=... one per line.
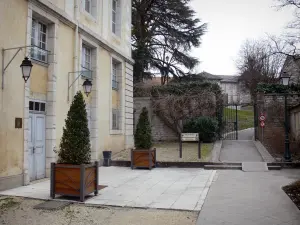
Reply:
x=87, y=87
x=26, y=67
x=87, y=84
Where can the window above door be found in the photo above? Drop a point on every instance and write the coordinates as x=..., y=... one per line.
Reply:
x=37, y=106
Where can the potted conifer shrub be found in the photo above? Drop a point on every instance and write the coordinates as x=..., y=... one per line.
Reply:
x=143, y=156
x=74, y=174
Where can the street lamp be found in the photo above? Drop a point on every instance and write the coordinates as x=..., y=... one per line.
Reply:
x=87, y=87
x=165, y=70
x=26, y=67
x=287, y=154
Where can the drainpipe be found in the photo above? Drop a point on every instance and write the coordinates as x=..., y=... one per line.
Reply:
x=76, y=15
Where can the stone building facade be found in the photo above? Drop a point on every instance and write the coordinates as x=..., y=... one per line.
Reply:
x=292, y=68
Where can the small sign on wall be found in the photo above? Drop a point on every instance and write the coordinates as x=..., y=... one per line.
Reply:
x=18, y=123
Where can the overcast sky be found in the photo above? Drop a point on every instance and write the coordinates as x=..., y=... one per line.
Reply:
x=230, y=23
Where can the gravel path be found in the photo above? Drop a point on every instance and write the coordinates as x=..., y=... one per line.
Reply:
x=169, y=152
x=19, y=211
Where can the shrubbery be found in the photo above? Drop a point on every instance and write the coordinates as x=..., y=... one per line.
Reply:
x=75, y=147
x=143, y=137
x=206, y=127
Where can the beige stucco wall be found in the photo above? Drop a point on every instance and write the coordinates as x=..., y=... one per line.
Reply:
x=12, y=97
x=91, y=22
x=65, y=65
x=107, y=141
x=38, y=78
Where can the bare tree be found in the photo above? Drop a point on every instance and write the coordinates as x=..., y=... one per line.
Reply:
x=257, y=63
x=288, y=43
x=295, y=5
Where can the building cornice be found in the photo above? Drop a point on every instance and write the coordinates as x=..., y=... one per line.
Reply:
x=66, y=19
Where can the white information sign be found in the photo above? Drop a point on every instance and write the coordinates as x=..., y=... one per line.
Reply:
x=189, y=136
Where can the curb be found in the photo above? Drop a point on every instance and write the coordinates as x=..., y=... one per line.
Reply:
x=124, y=163
x=215, y=154
x=263, y=152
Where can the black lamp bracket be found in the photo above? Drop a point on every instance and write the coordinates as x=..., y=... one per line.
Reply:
x=80, y=73
x=4, y=67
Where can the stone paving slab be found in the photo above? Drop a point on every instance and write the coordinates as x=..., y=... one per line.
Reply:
x=254, y=167
x=163, y=188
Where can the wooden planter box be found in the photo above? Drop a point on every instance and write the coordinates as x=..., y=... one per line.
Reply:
x=74, y=180
x=143, y=158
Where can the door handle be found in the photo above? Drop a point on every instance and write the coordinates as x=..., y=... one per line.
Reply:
x=33, y=149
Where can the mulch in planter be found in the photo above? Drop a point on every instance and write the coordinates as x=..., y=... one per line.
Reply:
x=293, y=191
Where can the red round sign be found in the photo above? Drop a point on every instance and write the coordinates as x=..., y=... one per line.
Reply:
x=262, y=117
x=262, y=123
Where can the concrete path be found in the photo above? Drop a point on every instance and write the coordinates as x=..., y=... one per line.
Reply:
x=246, y=134
x=238, y=198
x=239, y=151
x=163, y=188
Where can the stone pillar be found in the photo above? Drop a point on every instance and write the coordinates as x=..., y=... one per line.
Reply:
x=94, y=108
x=129, y=140
x=26, y=178
x=51, y=97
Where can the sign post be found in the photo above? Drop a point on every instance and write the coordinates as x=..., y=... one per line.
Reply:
x=188, y=137
x=262, y=119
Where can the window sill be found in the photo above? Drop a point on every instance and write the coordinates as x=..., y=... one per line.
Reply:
x=89, y=16
x=115, y=89
x=116, y=37
x=116, y=132
x=39, y=62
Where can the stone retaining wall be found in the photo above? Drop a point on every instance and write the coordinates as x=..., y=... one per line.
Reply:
x=272, y=135
x=160, y=131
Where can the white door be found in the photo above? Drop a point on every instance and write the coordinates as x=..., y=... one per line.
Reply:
x=36, y=154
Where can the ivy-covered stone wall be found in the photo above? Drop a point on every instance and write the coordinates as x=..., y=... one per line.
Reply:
x=160, y=131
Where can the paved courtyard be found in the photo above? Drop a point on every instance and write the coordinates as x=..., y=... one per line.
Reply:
x=161, y=188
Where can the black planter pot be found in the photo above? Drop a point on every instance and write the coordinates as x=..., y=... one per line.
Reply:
x=106, y=158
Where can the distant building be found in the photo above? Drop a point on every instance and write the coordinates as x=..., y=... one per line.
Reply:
x=232, y=86
x=292, y=68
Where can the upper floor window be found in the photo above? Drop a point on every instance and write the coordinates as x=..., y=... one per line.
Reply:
x=116, y=17
x=115, y=119
x=115, y=66
x=86, y=57
x=39, y=39
x=88, y=6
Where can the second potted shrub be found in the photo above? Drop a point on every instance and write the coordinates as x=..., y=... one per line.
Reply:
x=143, y=156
